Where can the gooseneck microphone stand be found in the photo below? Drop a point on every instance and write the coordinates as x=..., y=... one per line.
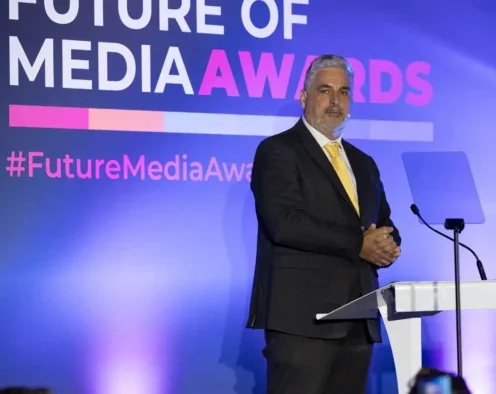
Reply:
x=457, y=226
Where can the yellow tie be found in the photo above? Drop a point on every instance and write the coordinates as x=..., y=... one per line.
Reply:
x=340, y=168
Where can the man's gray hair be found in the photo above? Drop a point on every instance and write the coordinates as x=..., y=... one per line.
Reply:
x=325, y=61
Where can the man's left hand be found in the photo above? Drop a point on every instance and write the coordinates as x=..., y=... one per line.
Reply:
x=386, y=244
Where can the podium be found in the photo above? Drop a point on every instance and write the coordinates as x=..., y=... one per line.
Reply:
x=401, y=305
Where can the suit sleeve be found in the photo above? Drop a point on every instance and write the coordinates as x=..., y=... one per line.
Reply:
x=279, y=204
x=384, y=218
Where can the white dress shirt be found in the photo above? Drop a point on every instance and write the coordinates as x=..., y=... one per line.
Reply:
x=322, y=140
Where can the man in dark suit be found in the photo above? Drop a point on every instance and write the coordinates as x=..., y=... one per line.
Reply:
x=324, y=231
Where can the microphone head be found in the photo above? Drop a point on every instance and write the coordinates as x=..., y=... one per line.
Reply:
x=415, y=209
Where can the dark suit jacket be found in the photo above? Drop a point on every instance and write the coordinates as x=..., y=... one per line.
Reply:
x=310, y=236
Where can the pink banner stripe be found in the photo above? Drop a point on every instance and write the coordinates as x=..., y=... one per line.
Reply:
x=126, y=120
x=48, y=117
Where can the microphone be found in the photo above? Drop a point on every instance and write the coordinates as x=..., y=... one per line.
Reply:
x=480, y=267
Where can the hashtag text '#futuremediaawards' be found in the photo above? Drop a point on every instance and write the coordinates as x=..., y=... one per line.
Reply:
x=34, y=164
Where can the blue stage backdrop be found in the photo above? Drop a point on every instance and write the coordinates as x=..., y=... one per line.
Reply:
x=128, y=129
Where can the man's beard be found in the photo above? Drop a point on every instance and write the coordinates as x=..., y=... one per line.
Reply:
x=334, y=129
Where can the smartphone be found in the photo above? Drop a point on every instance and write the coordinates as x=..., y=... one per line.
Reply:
x=437, y=385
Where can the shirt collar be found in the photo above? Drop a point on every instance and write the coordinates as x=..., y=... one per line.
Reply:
x=321, y=139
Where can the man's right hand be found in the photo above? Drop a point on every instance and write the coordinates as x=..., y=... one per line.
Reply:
x=376, y=244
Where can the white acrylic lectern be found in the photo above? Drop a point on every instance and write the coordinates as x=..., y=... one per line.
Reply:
x=401, y=306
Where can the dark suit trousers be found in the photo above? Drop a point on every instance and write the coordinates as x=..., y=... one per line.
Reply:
x=300, y=365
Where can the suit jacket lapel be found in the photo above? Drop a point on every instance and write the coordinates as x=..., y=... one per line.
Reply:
x=360, y=177
x=316, y=153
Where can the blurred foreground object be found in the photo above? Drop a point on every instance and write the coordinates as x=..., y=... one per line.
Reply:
x=433, y=381
x=24, y=390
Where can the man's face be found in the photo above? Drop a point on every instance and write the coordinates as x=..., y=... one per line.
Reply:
x=326, y=104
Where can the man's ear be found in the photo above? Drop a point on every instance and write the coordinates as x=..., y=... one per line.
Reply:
x=303, y=98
